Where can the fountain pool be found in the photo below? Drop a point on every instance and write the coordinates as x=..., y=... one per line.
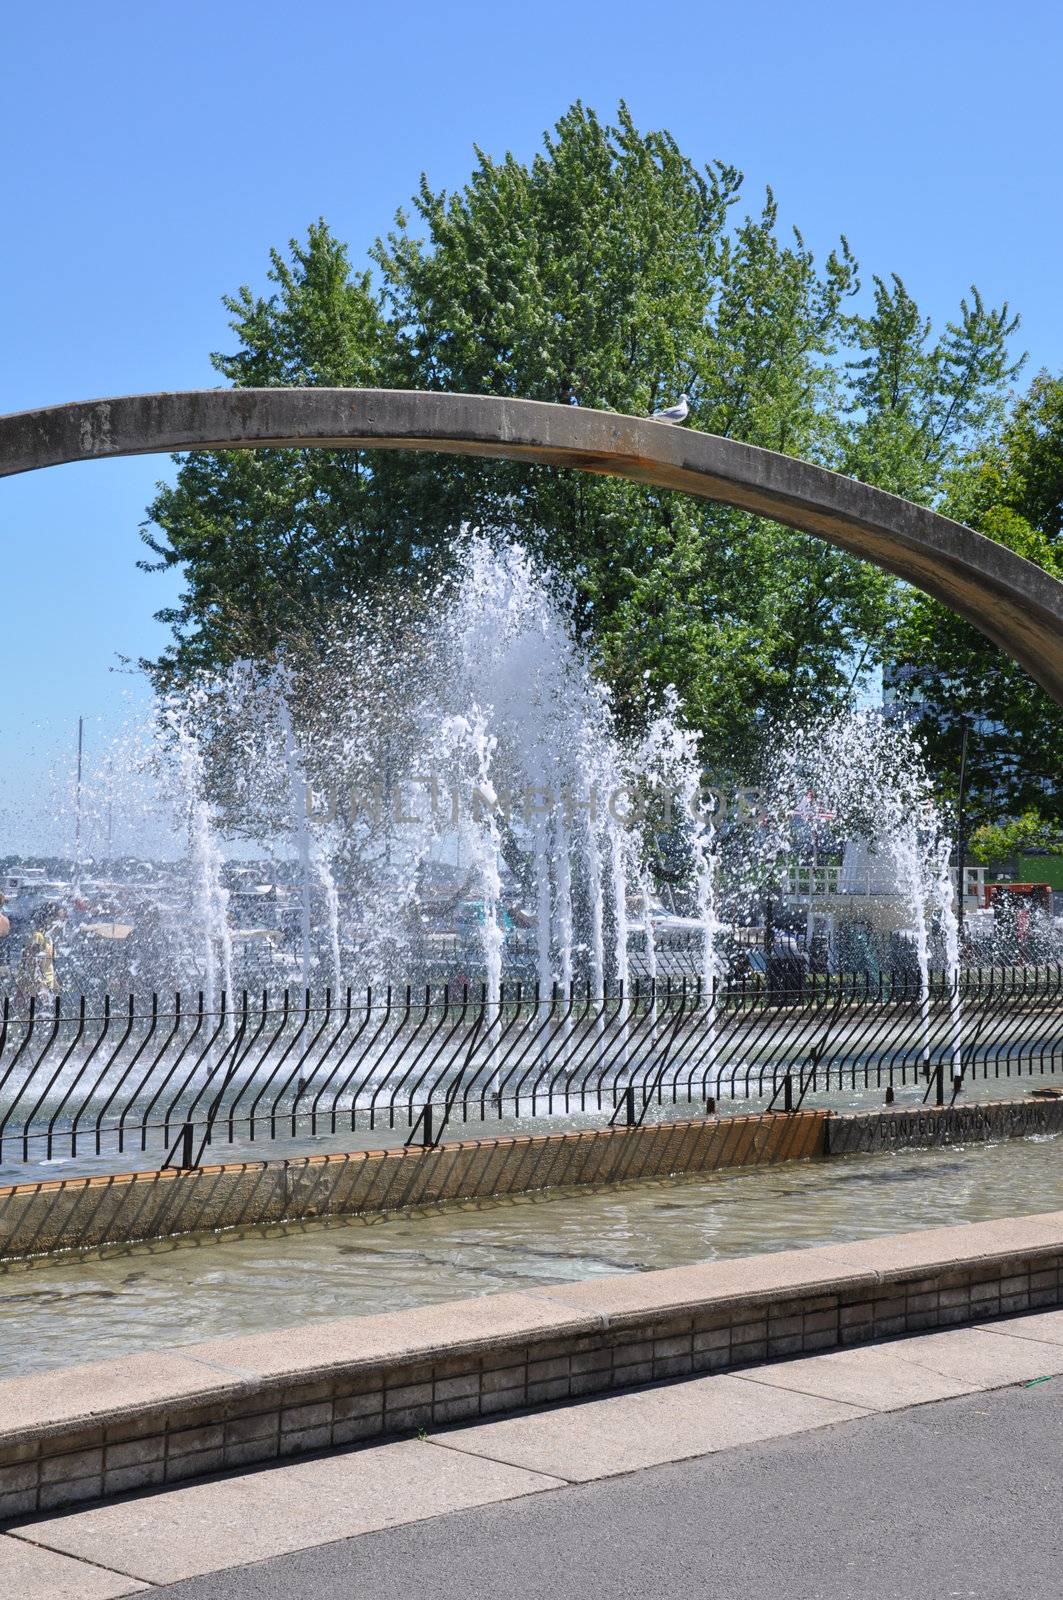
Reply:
x=54, y=1313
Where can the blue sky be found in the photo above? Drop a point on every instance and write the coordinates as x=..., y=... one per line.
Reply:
x=153, y=153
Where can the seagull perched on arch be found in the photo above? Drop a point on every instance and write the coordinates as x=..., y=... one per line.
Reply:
x=674, y=414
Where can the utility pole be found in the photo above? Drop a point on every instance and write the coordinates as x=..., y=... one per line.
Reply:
x=961, y=825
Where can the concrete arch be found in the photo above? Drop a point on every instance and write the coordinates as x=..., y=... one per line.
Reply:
x=1014, y=603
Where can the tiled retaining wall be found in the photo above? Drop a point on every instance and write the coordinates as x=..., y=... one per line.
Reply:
x=84, y=1213
x=89, y=1432
x=861, y=1132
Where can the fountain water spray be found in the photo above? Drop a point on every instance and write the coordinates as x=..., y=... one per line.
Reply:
x=668, y=759
x=211, y=899
x=478, y=816
x=859, y=777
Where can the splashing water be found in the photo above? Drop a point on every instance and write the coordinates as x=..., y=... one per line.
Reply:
x=297, y=787
x=435, y=789
x=860, y=777
x=669, y=759
x=211, y=898
x=469, y=738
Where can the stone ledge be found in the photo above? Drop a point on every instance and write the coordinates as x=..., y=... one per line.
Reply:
x=85, y=1432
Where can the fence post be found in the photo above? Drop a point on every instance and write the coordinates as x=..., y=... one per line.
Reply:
x=629, y=1105
x=428, y=1133
x=939, y=1084
x=788, y=1092
x=187, y=1134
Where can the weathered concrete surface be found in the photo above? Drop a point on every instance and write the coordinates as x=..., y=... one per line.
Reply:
x=646, y=1427
x=206, y=1526
x=1014, y=603
x=191, y=1530
x=958, y=1498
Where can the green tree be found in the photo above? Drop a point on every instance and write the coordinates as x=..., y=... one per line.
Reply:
x=1010, y=488
x=269, y=540
x=994, y=842
x=608, y=271
x=916, y=401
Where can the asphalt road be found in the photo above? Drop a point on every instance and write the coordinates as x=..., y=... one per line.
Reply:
x=963, y=1498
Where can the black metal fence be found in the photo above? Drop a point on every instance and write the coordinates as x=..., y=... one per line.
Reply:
x=89, y=1080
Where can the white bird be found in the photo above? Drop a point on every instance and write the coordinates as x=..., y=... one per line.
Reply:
x=677, y=413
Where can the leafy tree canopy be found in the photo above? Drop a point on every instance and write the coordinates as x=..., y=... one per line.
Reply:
x=1011, y=488
x=998, y=841
x=611, y=271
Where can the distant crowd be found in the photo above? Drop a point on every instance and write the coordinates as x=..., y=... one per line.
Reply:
x=27, y=955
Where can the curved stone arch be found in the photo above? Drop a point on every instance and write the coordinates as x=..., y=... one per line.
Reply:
x=1013, y=602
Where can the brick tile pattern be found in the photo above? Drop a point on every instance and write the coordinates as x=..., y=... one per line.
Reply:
x=273, y=1422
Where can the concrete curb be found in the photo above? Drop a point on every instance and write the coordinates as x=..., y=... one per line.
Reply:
x=88, y=1432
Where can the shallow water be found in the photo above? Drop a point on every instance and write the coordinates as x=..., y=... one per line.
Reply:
x=180, y=1291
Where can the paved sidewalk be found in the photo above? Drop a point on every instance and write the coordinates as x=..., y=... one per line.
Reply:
x=788, y=1478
